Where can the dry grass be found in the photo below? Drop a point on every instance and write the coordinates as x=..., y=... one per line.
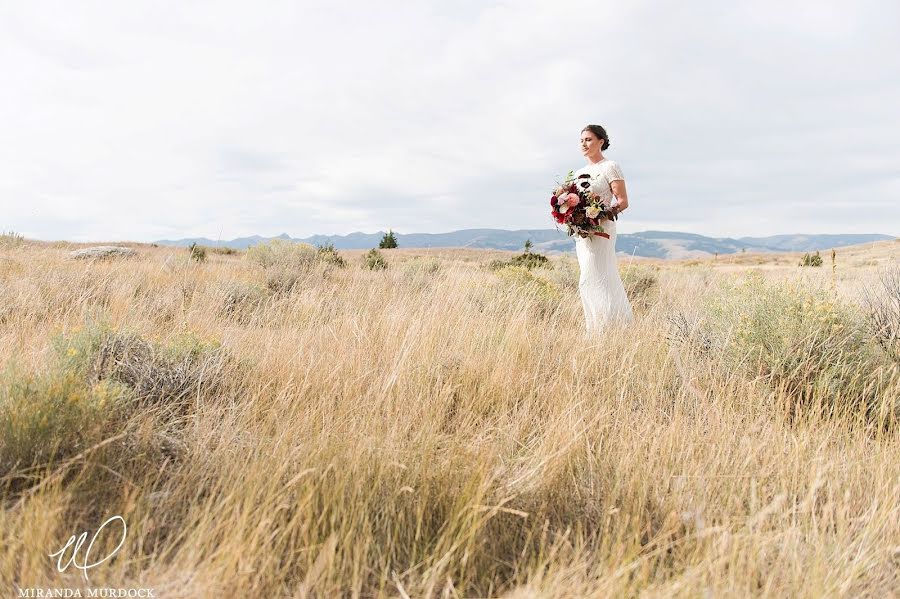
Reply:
x=442, y=429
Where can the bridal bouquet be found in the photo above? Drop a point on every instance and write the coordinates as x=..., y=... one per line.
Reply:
x=574, y=204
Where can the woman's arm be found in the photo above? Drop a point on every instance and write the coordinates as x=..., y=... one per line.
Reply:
x=618, y=189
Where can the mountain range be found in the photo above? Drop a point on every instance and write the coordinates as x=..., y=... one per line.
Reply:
x=651, y=244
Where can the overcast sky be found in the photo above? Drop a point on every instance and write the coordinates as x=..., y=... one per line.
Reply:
x=149, y=120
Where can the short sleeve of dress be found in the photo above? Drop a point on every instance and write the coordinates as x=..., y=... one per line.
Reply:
x=614, y=172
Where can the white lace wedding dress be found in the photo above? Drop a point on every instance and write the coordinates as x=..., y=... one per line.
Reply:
x=602, y=292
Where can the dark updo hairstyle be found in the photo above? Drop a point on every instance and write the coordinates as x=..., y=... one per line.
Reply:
x=600, y=132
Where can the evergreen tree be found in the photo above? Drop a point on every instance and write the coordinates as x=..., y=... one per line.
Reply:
x=389, y=241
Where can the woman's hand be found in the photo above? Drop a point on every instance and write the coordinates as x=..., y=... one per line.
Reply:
x=618, y=189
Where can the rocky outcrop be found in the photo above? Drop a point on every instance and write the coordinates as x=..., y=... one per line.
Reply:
x=102, y=251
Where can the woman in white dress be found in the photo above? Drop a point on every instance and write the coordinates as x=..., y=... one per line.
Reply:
x=602, y=293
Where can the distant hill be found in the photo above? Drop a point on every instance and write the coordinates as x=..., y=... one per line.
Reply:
x=808, y=243
x=651, y=244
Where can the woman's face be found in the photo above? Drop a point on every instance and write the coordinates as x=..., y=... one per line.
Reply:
x=590, y=144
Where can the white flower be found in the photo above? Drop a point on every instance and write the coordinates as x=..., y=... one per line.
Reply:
x=592, y=211
x=564, y=208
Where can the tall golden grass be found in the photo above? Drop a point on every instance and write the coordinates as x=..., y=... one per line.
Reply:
x=441, y=428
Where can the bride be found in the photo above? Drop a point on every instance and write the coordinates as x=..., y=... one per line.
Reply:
x=602, y=293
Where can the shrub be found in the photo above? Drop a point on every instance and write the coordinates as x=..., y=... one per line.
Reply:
x=544, y=292
x=529, y=261
x=284, y=280
x=640, y=284
x=11, y=239
x=198, y=253
x=287, y=263
x=802, y=342
x=282, y=253
x=882, y=308
x=240, y=301
x=47, y=418
x=167, y=376
x=565, y=274
x=811, y=259
x=60, y=412
x=98, y=394
x=373, y=260
x=689, y=332
x=526, y=259
x=422, y=265
x=329, y=255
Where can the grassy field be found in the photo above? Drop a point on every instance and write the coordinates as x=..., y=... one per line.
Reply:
x=272, y=424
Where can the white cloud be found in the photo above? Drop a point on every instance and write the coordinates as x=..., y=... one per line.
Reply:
x=146, y=120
